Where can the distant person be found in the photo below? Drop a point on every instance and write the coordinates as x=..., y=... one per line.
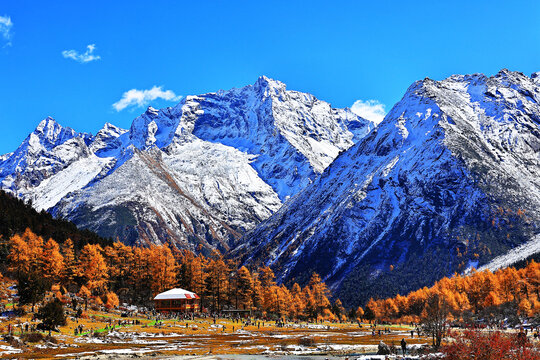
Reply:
x=412, y=333
x=522, y=338
x=403, y=346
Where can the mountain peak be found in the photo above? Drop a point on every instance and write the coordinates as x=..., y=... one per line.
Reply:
x=49, y=128
x=108, y=127
x=152, y=111
x=46, y=123
x=51, y=133
x=264, y=83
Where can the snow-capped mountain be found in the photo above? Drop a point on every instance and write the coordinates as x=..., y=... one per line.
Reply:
x=200, y=173
x=449, y=180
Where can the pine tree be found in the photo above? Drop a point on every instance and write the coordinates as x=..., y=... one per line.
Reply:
x=198, y=280
x=35, y=246
x=93, y=269
x=52, y=314
x=244, y=287
x=32, y=288
x=217, y=280
x=70, y=265
x=320, y=294
x=53, y=261
x=257, y=293
x=19, y=255
x=162, y=269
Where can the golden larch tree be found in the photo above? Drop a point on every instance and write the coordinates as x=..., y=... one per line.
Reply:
x=53, y=261
x=92, y=268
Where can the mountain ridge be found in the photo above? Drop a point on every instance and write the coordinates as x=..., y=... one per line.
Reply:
x=428, y=183
x=230, y=158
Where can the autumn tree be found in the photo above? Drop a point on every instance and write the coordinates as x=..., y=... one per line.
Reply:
x=244, y=287
x=139, y=276
x=217, y=280
x=35, y=246
x=267, y=277
x=480, y=285
x=320, y=293
x=359, y=313
x=434, y=316
x=92, y=268
x=85, y=294
x=110, y=300
x=339, y=310
x=285, y=302
x=508, y=279
x=119, y=258
x=298, y=305
x=162, y=268
x=70, y=264
x=257, y=293
x=532, y=274
x=19, y=255
x=198, y=276
x=134, y=273
x=53, y=261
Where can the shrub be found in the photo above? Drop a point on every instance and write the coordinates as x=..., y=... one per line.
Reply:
x=33, y=337
x=306, y=341
x=489, y=346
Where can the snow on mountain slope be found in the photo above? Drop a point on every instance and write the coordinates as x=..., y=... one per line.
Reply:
x=74, y=177
x=46, y=152
x=199, y=173
x=517, y=254
x=108, y=141
x=294, y=135
x=452, y=175
x=200, y=194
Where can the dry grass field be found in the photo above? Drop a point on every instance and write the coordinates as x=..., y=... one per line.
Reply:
x=196, y=337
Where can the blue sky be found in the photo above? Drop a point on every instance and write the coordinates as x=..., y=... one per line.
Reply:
x=341, y=51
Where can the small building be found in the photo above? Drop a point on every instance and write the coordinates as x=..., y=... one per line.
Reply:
x=177, y=300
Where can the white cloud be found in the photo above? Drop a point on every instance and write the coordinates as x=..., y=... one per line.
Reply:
x=5, y=29
x=372, y=110
x=141, y=98
x=82, y=58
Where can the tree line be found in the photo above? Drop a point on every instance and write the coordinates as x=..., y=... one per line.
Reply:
x=491, y=297
x=17, y=215
x=120, y=273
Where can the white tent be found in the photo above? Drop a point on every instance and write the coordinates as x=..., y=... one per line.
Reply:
x=175, y=294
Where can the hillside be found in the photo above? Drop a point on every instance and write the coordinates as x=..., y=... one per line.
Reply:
x=449, y=180
x=16, y=216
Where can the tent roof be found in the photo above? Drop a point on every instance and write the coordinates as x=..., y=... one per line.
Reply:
x=176, y=294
